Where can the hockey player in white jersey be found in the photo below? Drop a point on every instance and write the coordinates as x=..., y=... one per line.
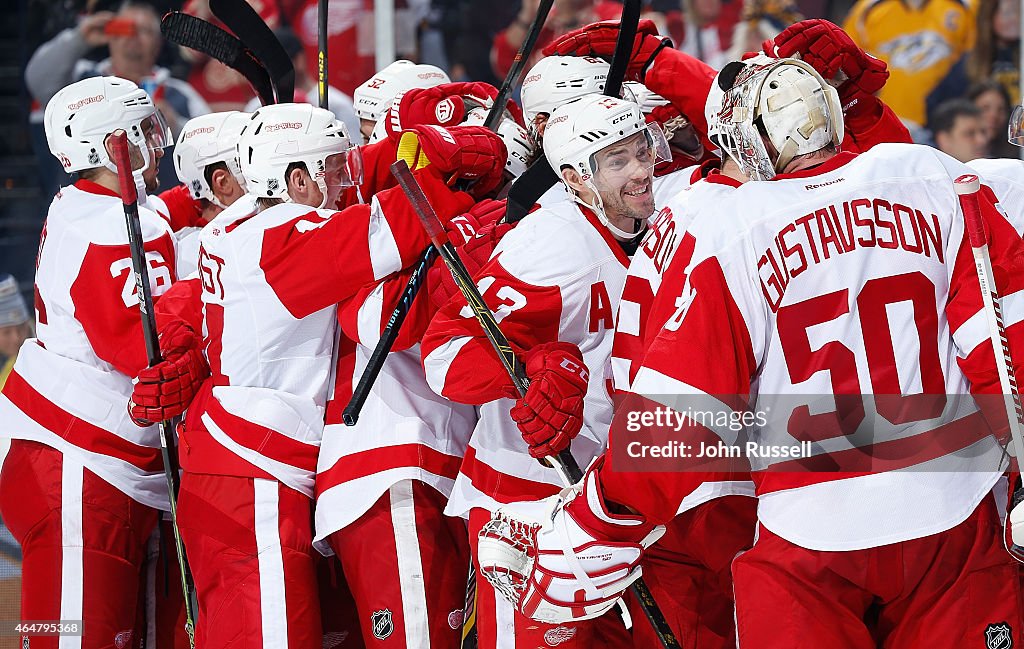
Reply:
x=251, y=437
x=802, y=292
x=374, y=96
x=82, y=486
x=553, y=282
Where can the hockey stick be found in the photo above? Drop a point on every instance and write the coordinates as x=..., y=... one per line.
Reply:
x=564, y=462
x=248, y=25
x=129, y=196
x=321, y=52
x=201, y=36
x=968, y=188
x=387, y=339
x=390, y=333
x=540, y=177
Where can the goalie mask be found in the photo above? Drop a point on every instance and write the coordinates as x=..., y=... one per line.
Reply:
x=783, y=102
x=80, y=116
x=613, y=150
x=282, y=134
x=204, y=141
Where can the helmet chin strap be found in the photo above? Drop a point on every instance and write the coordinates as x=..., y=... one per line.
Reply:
x=598, y=209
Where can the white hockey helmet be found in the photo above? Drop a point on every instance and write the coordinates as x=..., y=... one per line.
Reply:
x=206, y=140
x=80, y=116
x=374, y=96
x=518, y=143
x=579, y=129
x=555, y=80
x=788, y=102
x=281, y=134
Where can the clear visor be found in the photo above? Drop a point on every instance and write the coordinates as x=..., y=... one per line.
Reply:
x=1015, y=132
x=630, y=159
x=156, y=131
x=343, y=169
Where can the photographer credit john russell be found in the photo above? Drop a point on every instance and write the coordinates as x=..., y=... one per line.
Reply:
x=719, y=450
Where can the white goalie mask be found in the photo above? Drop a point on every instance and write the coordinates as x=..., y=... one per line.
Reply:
x=374, y=96
x=78, y=119
x=279, y=135
x=517, y=141
x=783, y=101
x=578, y=131
x=554, y=80
x=206, y=140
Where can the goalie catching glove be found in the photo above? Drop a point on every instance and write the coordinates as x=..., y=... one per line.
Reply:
x=565, y=558
x=165, y=390
x=598, y=39
x=470, y=152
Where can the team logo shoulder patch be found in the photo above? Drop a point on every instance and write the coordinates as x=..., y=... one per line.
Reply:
x=382, y=624
x=558, y=635
x=998, y=636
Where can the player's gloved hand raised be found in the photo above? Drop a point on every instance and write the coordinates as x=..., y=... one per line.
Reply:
x=550, y=414
x=476, y=235
x=165, y=390
x=830, y=50
x=470, y=152
x=533, y=553
x=444, y=105
x=598, y=39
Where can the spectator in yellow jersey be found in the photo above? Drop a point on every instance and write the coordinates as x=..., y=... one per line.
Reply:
x=920, y=40
x=15, y=325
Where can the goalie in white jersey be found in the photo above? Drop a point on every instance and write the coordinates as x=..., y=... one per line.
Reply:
x=846, y=275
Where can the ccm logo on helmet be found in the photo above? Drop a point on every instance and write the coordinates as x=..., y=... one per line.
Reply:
x=282, y=126
x=85, y=102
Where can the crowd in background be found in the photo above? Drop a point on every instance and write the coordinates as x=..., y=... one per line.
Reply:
x=954, y=63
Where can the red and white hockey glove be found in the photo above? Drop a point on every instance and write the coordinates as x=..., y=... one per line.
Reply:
x=476, y=235
x=830, y=50
x=444, y=105
x=550, y=414
x=564, y=558
x=470, y=152
x=165, y=390
x=598, y=39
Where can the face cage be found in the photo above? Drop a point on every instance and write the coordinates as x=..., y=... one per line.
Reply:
x=1015, y=129
x=743, y=143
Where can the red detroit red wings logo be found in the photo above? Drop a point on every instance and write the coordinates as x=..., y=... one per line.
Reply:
x=558, y=635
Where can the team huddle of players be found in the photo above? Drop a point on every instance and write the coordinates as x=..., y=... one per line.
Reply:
x=757, y=230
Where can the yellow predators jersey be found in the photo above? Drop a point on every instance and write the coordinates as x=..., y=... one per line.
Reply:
x=920, y=45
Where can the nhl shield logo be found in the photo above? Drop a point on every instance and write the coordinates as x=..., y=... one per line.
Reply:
x=382, y=624
x=998, y=636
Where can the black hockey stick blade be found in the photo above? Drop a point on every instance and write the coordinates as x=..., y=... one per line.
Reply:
x=540, y=177
x=254, y=33
x=202, y=36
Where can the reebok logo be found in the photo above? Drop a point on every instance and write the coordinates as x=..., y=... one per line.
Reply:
x=817, y=185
